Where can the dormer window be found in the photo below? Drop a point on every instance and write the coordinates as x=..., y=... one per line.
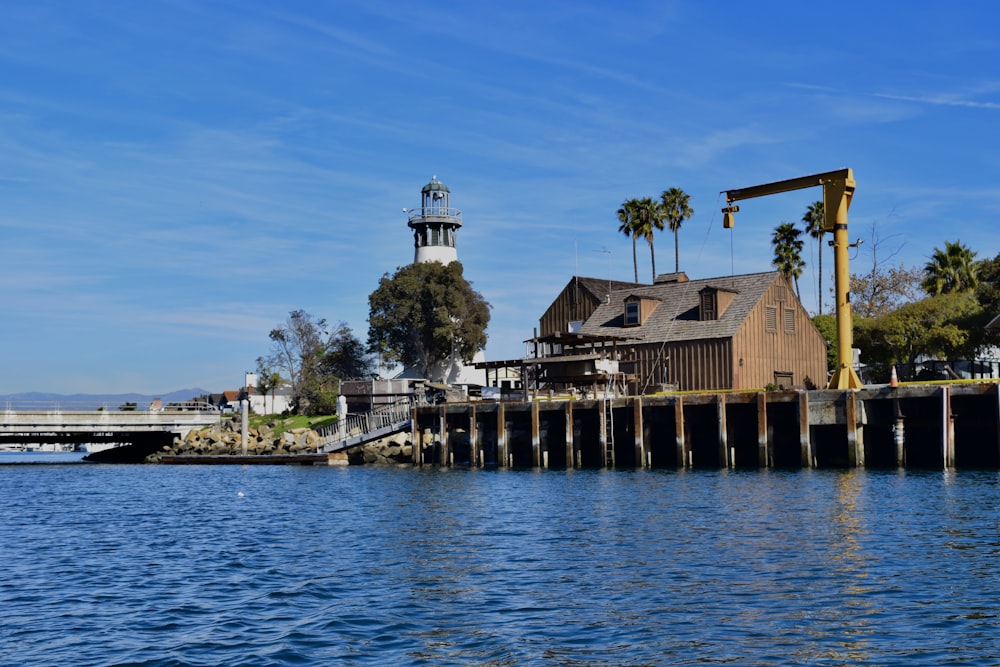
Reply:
x=632, y=314
x=713, y=301
x=709, y=305
x=638, y=309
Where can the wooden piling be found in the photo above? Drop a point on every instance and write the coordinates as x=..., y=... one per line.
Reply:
x=764, y=456
x=683, y=457
x=949, y=428
x=570, y=447
x=536, y=446
x=855, y=444
x=502, y=454
x=640, y=439
x=725, y=459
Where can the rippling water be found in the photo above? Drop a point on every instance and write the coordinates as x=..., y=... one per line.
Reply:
x=260, y=565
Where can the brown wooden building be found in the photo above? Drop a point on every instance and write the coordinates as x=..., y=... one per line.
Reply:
x=733, y=332
x=577, y=302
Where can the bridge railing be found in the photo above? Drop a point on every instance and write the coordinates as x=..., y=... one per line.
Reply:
x=114, y=406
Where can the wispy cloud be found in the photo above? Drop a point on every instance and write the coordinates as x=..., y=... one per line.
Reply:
x=948, y=100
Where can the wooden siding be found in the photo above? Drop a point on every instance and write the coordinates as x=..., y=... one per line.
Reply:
x=573, y=304
x=802, y=352
x=576, y=302
x=687, y=365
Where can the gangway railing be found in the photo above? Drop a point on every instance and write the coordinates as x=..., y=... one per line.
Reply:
x=361, y=427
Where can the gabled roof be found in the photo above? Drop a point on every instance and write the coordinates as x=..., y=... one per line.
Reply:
x=598, y=287
x=676, y=318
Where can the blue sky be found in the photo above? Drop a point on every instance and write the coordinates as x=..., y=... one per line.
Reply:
x=176, y=176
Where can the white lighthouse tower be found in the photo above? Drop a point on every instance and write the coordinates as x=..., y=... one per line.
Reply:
x=434, y=225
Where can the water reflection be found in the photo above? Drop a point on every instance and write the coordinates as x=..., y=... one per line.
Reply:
x=389, y=566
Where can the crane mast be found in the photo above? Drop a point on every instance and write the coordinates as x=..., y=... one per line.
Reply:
x=838, y=189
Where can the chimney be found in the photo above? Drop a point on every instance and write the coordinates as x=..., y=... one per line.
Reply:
x=665, y=278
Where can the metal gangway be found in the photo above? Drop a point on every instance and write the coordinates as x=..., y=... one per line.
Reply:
x=358, y=428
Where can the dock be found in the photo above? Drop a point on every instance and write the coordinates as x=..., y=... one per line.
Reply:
x=942, y=426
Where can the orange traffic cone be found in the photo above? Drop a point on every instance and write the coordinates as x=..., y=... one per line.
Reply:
x=893, y=380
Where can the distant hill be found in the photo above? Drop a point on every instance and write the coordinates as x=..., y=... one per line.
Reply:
x=94, y=401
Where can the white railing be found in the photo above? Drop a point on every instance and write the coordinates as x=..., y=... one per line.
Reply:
x=358, y=424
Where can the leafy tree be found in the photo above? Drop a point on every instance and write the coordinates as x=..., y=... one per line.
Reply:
x=788, y=252
x=815, y=218
x=315, y=361
x=988, y=295
x=427, y=316
x=934, y=326
x=675, y=208
x=988, y=290
x=953, y=269
x=297, y=349
x=827, y=325
x=627, y=217
x=346, y=357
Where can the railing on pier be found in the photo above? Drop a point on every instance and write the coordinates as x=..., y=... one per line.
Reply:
x=358, y=428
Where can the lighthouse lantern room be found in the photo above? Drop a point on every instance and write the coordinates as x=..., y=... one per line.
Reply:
x=434, y=225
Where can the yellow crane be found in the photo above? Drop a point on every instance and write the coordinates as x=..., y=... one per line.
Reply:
x=838, y=188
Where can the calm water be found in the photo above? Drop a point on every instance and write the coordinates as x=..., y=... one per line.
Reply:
x=228, y=565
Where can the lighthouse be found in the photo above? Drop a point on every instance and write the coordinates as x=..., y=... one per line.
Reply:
x=434, y=225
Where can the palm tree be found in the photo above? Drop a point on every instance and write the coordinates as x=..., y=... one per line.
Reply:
x=626, y=216
x=815, y=218
x=953, y=269
x=674, y=209
x=646, y=220
x=788, y=252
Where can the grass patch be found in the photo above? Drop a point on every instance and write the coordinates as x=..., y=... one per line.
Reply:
x=290, y=422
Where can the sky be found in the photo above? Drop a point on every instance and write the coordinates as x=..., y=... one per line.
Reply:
x=176, y=176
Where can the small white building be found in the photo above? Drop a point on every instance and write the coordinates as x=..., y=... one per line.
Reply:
x=276, y=401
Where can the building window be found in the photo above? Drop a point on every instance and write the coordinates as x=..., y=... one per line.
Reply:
x=771, y=318
x=632, y=314
x=779, y=293
x=708, y=300
x=789, y=315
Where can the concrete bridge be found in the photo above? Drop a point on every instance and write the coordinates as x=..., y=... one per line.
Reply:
x=57, y=425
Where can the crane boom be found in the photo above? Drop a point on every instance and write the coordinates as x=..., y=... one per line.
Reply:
x=838, y=190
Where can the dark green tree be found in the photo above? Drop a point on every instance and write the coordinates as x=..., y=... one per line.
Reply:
x=427, y=316
x=827, y=325
x=988, y=290
x=814, y=219
x=675, y=208
x=346, y=357
x=953, y=269
x=788, y=252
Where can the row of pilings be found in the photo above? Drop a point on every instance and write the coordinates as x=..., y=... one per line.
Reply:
x=918, y=426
